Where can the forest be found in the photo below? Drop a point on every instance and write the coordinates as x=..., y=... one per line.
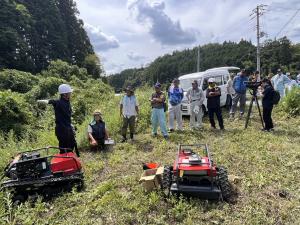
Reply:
x=275, y=54
x=34, y=33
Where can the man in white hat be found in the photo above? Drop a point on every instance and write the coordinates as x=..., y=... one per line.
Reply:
x=213, y=94
x=196, y=97
x=64, y=130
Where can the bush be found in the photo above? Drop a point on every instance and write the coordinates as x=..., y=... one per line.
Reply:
x=291, y=103
x=61, y=69
x=15, y=111
x=46, y=88
x=17, y=81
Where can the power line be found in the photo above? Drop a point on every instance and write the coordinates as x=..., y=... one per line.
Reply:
x=287, y=23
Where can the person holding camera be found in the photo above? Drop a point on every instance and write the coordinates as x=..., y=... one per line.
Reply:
x=240, y=93
x=267, y=103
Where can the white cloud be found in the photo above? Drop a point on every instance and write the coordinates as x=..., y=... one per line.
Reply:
x=135, y=56
x=135, y=32
x=99, y=39
x=160, y=25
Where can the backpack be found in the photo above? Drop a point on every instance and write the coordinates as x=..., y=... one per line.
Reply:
x=276, y=97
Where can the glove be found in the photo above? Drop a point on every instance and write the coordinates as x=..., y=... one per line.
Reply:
x=43, y=101
x=196, y=109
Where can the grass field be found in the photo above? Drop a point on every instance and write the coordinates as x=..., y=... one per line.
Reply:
x=267, y=166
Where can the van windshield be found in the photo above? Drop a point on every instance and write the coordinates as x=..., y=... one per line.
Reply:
x=187, y=83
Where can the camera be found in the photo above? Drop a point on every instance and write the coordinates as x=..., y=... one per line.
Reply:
x=252, y=84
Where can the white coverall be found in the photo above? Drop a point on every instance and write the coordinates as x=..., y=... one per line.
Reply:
x=196, y=98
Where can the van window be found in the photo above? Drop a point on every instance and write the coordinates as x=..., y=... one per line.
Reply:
x=218, y=80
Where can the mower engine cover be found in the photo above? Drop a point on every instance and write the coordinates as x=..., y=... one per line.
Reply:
x=67, y=163
x=196, y=175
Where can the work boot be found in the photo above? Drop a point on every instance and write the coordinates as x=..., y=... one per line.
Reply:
x=131, y=136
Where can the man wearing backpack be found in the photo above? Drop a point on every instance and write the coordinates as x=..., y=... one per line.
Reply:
x=240, y=88
x=267, y=103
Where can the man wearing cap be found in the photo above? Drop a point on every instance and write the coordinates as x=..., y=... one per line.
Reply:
x=240, y=93
x=213, y=94
x=97, y=132
x=195, y=96
x=279, y=81
x=175, y=94
x=64, y=130
x=128, y=111
x=158, y=116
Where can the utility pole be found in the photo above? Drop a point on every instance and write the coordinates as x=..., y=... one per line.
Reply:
x=257, y=12
x=198, y=59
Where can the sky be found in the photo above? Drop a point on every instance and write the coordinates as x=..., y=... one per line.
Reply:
x=132, y=33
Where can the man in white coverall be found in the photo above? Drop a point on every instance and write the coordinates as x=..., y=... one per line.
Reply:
x=196, y=97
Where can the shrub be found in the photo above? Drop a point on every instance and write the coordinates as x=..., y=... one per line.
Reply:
x=15, y=111
x=46, y=88
x=61, y=69
x=291, y=103
x=17, y=81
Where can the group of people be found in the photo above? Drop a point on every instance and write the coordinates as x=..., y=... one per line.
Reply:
x=129, y=108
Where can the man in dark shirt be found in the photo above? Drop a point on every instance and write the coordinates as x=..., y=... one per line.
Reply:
x=63, y=130
x=158, y=116
x=213, y=94
x=267, y=103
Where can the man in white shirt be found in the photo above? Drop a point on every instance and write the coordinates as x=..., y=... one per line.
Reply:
x=128, y=111
x=230, y=91
x=196, y=97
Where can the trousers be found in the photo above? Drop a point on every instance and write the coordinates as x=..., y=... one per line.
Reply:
x=267, y=117
x=65, y=137
x=175, y=113
x=128, y=122
x=218, y=112
x=238, y=97
x=196, y=119
x=158, y=117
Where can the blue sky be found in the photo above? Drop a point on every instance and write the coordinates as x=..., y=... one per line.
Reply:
x=132, y=33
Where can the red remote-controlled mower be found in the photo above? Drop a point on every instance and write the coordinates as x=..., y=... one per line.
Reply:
x=196, y=175
x=38, y=172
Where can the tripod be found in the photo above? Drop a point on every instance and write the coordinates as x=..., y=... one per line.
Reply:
x=254, y=98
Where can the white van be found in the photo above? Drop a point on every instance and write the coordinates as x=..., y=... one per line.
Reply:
x=221, y=75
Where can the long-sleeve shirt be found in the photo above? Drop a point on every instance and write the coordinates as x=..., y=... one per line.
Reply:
x=267, y=100
x=175, y=95
x=195, y=95
x=279, y=82
x=63, y=112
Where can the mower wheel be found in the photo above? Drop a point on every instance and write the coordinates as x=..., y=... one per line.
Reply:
x=166, y=180
x=223, y=183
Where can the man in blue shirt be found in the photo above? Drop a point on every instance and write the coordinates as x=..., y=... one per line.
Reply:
x=175, y=95
x=240, y=89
